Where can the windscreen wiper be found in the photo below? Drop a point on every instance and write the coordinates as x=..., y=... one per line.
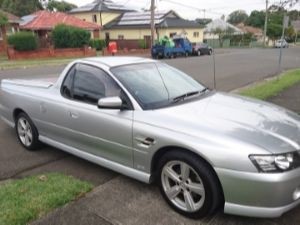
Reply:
x=187, y=95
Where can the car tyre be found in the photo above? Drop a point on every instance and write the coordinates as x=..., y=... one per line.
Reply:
x=27, y=133
x=188, y=184
x=210, y=52
x=199, y=53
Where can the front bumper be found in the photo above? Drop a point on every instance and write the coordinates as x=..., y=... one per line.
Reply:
x=259, y=194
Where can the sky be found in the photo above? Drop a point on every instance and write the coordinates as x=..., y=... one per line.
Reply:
x=191, y=9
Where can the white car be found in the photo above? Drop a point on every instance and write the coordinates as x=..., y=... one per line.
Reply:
x=282, y=42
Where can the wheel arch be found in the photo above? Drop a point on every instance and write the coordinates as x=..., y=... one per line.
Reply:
x=164, y=150
x=16, y=112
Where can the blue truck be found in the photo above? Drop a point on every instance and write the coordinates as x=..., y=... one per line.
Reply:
x=167, y=48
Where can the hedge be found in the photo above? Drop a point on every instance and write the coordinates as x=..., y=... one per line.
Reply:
x=97, y=44
x=65, y=36
x=23, y=41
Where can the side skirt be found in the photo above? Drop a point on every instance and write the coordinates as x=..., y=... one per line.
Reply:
x=127, y=171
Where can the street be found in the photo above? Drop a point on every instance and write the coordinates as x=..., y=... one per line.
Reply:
x=120, y=200
x=234, y=67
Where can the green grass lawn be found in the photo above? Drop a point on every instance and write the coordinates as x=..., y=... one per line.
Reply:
x=22, y=201
x=271, y=88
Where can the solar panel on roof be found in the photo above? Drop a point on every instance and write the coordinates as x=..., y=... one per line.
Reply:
x=138, y=22
x=27, y=19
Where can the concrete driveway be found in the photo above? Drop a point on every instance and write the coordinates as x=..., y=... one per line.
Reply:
x=120, y=200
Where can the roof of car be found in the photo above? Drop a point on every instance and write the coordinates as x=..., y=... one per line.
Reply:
x=113, y=61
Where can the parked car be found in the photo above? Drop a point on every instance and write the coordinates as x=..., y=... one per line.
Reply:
x=202, y=49
x=282, y=42
x=180, y=47
x=154, y=123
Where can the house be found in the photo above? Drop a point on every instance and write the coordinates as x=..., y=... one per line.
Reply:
x=209, y=31
x=131, y=27
x=256, y=32
x=100, y=11
x=10, y=28
x=296, y=25
x=43, y=22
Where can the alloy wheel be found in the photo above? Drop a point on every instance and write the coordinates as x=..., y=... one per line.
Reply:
x=25, y=132
x=183, y=186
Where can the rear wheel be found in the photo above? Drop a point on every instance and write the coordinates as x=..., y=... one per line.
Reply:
x=27, y=132
x=199, y=53
x=189, y=185
x=210, y=52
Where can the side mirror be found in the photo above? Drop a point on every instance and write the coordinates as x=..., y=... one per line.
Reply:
x=110, y=103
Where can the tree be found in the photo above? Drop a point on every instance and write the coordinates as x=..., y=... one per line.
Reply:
x=60, y=6
x=290, y=34
x=294, y=15
x=3, y=22
x=274, y=31
x=289, y=3
x=238, y=16
x=223, y=34
x=21, y=7
x=256, y=19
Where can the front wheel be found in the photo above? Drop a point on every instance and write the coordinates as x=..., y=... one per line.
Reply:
x=189, y=185
x=27, y=132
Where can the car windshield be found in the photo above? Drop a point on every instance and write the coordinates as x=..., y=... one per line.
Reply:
x=156, y=85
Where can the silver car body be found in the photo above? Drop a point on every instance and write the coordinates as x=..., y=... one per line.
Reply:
x=223, y=129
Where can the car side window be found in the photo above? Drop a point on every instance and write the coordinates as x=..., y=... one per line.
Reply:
x=88, y=84
x=67, y=84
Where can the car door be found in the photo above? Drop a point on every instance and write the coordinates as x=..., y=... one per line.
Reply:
x=103, y=132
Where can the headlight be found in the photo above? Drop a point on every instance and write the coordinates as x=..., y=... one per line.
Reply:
x=276, y=163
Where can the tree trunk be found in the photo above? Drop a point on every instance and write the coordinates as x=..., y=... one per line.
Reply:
x=4, y=36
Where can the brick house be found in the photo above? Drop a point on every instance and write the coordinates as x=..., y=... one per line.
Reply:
x=43, y=22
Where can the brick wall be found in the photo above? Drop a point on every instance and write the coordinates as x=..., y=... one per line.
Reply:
x=135, y=52
x=51, y=53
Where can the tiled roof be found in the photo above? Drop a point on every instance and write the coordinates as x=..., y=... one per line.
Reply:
x=250, y=29
x=163, y=19
x=102, y=6
x=11, y=18
x=45, y=20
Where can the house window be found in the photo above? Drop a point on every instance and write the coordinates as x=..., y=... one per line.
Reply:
x=172, y=34
x=121, y=37
x=196, y=34
x=95, y=18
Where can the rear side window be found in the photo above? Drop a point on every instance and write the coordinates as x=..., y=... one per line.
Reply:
x=67, y=84
x=88, y=84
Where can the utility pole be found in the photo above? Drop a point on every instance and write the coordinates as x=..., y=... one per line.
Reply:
x=152, y=23
x=266, y=22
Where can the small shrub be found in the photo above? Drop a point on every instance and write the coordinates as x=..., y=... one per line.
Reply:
x=142, y=44
x=65, y=36
x=23, y=41
x=97, y=44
